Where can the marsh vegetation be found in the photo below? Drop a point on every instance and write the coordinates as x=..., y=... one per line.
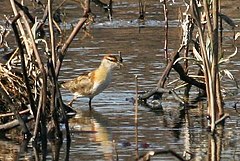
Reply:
x=175, y=98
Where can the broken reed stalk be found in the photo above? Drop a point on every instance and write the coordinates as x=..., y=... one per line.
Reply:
x=141, y=8
x=67, y=43
x=136, y=116
x=163, y=79
x=110, y=11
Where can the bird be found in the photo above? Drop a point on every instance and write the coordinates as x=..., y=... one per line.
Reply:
x=92, y=83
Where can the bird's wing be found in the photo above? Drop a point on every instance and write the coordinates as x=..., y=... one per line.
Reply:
x=81, y=85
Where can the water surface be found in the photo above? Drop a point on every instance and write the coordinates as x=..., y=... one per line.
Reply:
x=109, y=130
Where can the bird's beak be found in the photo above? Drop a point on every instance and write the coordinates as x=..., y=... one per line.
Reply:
x=120, y=60
x=120, y=65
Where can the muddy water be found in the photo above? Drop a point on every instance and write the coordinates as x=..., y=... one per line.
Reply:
x=108, y=131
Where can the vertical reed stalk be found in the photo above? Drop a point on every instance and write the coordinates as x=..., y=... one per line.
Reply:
x=50, y=22
x=210, y=58
x=110, y=11
x=221, y=31
x=212, y=101
x=136, y=117
x=165, y=10
x=52, y=62
x=219, y=55
x=214, y=70
x=207, y=65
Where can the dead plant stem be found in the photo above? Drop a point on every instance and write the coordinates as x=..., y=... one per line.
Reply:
x=52, y=62
x=50, y=22
x=23, y=66
x=67, y=43
x=37, y=119
x=38, y=58
x=21, y=28
x=136, y=116
x=165, y=10
x=214, y=69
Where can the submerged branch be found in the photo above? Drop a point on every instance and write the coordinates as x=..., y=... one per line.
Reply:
x=160, y=91
x=148, y=155
x=167, y=70
x=12, y=124
x=179, y=69
x=152, y=92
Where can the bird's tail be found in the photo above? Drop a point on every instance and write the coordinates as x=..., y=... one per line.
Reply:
x=61, y=84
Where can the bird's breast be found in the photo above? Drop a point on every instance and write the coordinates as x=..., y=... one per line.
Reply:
x=101, y=81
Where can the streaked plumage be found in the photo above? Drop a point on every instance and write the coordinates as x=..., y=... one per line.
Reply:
x=92, y=83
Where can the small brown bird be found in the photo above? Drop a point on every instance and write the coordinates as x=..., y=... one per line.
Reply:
x=92, y=83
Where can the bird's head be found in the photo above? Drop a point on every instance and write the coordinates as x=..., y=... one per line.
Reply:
x=111, y=61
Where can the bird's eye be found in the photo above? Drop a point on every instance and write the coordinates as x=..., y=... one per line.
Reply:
x=112, y=59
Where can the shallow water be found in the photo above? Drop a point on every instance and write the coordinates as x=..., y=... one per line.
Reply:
x=109, y=130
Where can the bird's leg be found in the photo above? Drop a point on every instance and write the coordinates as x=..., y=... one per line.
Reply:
x=71, y=102
x=90, y=104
